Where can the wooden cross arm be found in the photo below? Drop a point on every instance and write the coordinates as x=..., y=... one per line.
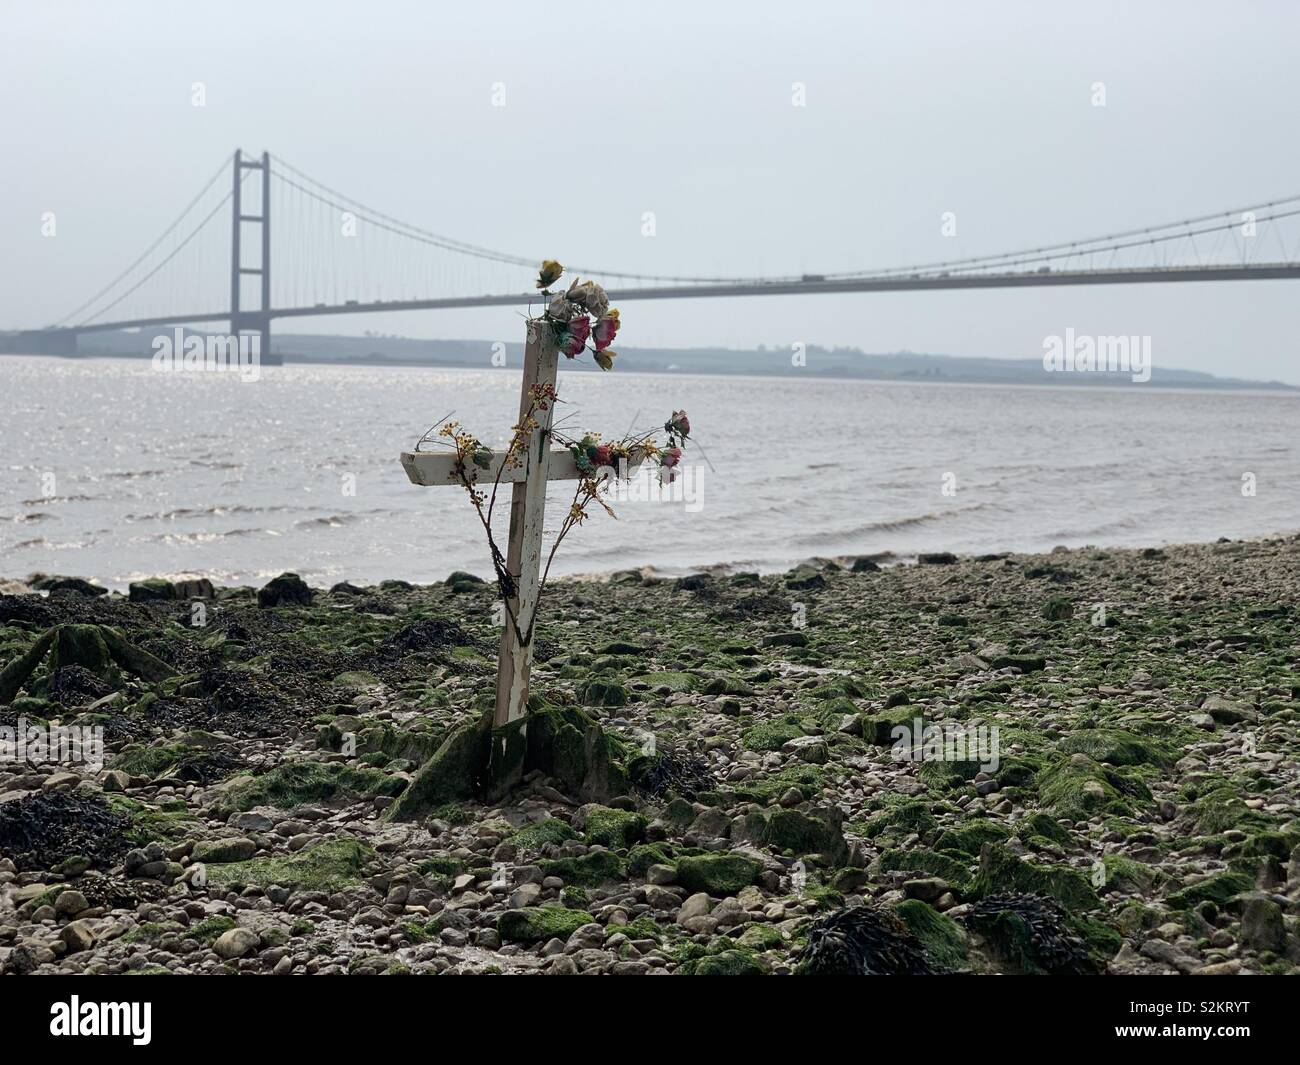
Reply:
x=439, y=468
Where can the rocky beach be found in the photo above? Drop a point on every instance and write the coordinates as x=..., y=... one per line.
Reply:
x=710, y=780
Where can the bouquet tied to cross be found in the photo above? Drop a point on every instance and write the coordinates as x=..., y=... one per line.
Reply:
x=569, y=318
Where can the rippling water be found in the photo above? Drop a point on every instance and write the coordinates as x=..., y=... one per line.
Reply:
x=113, y=471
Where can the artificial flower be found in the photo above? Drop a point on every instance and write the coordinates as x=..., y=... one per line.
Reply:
x=562, y=309
x=591, y=296
x=549, y=274
x=573, y=337
x=605, y=331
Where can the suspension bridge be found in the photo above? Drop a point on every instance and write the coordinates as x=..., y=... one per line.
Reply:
x=336, y=255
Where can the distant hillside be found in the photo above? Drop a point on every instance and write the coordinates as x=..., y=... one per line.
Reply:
x=821, y=362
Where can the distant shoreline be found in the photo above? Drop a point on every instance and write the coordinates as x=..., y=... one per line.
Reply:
x=948, y=370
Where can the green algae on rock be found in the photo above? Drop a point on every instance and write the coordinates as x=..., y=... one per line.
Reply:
x=717, y=874
x=327, y=866
x=538, y=924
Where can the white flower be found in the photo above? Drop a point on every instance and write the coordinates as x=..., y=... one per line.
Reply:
x=590, y=295
x=563, y=309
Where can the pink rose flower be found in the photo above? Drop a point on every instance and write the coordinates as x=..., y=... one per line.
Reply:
x=605, y=331
x=574, y=337
x=670, y=457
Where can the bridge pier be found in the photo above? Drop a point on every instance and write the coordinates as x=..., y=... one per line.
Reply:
x=251, y=321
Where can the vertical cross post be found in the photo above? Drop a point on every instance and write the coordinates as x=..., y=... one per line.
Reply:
x=527, y=512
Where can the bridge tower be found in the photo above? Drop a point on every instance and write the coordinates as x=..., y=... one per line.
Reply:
x=241, y=320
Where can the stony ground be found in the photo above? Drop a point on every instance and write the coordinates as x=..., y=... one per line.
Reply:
x=286, y=786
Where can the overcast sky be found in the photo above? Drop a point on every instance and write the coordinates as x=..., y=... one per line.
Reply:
x=685, y=110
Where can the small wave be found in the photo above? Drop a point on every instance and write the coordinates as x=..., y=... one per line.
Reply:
x=840, y=536
x=131, y=475
x=219, y=510
x=59, y=499
x=332, y=521
x=200, y=537
x=36, y=515
x=49, y=545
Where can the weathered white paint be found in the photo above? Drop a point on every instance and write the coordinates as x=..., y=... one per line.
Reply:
x=433, y=468
x=527, y=511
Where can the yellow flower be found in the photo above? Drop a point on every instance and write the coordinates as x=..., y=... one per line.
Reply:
x=604, y=359
x=550, y=273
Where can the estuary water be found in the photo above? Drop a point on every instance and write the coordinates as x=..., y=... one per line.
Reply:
x=112, y=471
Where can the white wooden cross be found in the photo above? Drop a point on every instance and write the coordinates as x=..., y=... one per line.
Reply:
x=527, y=511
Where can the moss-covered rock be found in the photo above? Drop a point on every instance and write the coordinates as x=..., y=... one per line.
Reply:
x=1002, y=873
x=300, y=783
x=1077, y=788
x=674, y=681
x=718, y=874
x=818, y=832
x=943, y=938
x=599, y=691
x=641, y=857
x=1221, y=809
x=770, y=735
x=1058, y=608
x=540, y=924
x=1116, y=747
x=971, y=837
x=1220, y=888
x=926, y=863
x=288, y=589
x=886, y=727
x=725, y=963
x=616, y=829
x=328, y=866
x=220, y=851
x=1044, y=826
x=592, y=869
x=552, y=831
x=1126, y=874
x=902, y=819
x=152, y=590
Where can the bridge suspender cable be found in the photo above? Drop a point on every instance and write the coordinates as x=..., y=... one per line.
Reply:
x=225, y=164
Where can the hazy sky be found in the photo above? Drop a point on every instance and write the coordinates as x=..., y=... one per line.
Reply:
x=684, y=109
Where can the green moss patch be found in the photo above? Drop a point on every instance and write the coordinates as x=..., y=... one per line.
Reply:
x=327, y=866
x=770, y=735
x=943, y=939
x=718, y=874
x=302, y=783
x=540, y=924
x=1001, y=872
x=1116, y=747
x=616, y=829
